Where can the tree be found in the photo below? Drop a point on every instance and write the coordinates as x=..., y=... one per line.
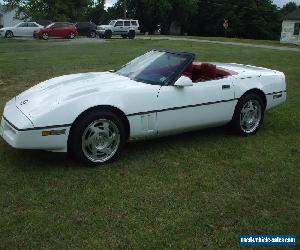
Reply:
x=153, y=12
x=56, y=10
x=288, y=8
x=259, y=19
x=247, y=18
x=96, y=13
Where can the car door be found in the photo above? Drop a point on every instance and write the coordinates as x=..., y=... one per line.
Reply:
x=30, y=29
x=54, y=30
x=135, y=25
x=127, y=26
x=64, y=30
x=203, y=104
x=119, y=28
x=20, y=30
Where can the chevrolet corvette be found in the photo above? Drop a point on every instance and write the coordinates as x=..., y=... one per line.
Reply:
x=92, y=115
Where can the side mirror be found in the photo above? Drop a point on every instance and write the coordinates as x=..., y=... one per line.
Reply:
x=183, y=81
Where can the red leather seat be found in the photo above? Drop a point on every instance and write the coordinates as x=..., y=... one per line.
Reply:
x=189, y=71
x=208, y=71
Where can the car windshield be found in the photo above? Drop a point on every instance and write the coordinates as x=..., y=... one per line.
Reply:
x=112, y=23
x=156, y=67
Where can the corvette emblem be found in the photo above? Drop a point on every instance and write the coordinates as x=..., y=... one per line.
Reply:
x=24, y=102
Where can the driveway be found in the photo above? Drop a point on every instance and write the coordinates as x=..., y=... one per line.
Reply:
x=77, y=40
x=249, y=45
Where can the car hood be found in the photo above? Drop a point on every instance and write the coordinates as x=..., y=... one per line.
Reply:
x=48, y=95
x=6, y=28
x=39, y=29
x=104, y=26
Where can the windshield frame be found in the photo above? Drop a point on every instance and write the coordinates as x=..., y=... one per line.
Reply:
x=112, y=22
x=173, y=78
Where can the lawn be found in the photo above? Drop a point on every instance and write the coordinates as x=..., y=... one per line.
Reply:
x=196, y=190
x=275, y=43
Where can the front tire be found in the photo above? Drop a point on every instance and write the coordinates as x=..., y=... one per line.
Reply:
x=248, y=115
x=131, y=34
x=9, y=34
x=107, y=34
x=45, y=36
x=97, y=138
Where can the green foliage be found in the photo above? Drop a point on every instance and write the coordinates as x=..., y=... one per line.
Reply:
x=56, y=10
x=96, y=13
x=259, y=19
x=288, y=8
x=249, y=19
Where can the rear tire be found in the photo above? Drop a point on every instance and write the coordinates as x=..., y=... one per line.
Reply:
x=72, y=35
x=92, y=34
x=248, y=115
x=9, y=34
x=107, y=34
x=97, y=138
x=131, y=34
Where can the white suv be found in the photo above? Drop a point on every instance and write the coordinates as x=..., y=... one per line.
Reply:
x=123, y=27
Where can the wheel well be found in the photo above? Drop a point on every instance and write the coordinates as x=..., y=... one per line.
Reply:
x=112, y=109
x=259, y=92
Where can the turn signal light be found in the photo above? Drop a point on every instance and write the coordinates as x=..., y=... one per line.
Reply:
x=53, y=132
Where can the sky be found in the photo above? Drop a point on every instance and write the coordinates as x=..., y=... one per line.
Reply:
x=280, y=3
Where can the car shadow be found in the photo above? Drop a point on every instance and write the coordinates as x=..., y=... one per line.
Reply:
x=38, y=159
x=178, y=139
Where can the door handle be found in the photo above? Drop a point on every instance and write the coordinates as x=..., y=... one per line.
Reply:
x=225, y=86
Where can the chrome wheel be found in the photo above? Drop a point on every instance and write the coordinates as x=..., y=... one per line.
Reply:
x=250, y=116
x=100, y=140
x=9, y=34
x=45, y=36
x=72, y=35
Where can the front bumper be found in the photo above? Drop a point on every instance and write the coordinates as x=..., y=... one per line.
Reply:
x=36, y=35
x=32, y=138
x=19, y=132
x=100, y=32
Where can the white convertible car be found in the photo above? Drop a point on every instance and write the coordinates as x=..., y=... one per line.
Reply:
x=92, y=115
x=21, y=29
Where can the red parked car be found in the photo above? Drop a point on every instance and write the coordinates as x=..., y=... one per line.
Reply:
x=62, y=30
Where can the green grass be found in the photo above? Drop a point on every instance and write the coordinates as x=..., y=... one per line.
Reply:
x=239, y=40
x=195, y=190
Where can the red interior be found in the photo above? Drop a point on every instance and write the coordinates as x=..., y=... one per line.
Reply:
x=205, y=72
